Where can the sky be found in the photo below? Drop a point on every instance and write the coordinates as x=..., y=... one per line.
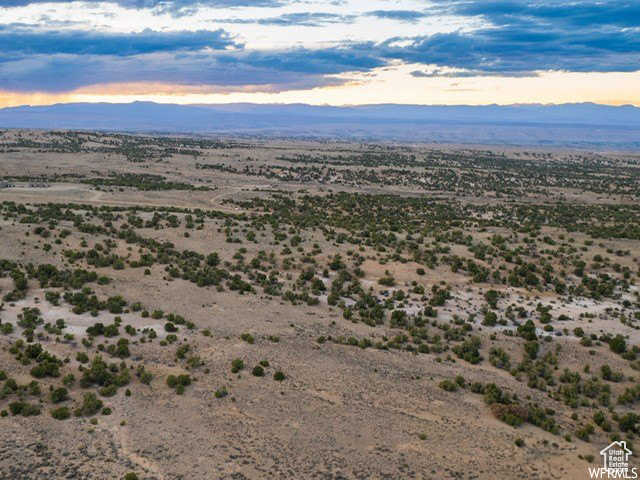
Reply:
x=338, y=52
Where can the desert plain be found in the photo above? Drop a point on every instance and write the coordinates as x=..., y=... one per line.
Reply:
x=199, y=307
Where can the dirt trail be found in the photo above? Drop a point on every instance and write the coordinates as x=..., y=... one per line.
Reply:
x=97, y=198
x=145, y=463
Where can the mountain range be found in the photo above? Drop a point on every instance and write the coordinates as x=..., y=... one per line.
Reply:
x=585, y=125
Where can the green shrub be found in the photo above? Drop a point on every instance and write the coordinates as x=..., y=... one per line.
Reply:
x=61, y=413
x=468, y=350
x=82, y=357
x=179, y=382
x=448, y=385
x=237, y=365
x=59, y=395
x=221, y=392
x=91, y=405
x=23, y=408
x=584, y=432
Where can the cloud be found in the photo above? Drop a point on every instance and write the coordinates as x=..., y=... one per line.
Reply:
x=400, y=15
x=163, y=6
x=26, y=41
x=530, y=35
x=468, y=74
x=295, y=68
x=589, y=13
x=519, y=49
x=310, y=19
x=500, y=38
x=63, y=61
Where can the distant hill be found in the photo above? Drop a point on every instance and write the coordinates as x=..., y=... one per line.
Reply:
x=584, y=125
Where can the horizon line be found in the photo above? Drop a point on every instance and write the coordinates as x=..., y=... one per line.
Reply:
x=344, y=105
